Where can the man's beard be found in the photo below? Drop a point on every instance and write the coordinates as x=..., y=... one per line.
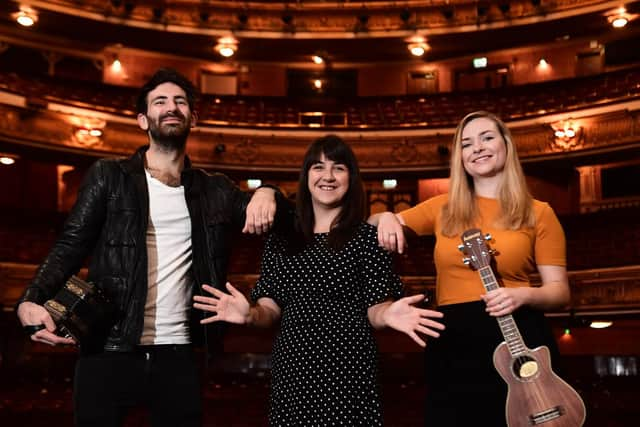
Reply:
x=170, y=136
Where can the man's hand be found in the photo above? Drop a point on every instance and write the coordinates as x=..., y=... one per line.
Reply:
x=31, y=314
x=261, y=211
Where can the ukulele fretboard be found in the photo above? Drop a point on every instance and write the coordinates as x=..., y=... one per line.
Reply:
x=507, y=325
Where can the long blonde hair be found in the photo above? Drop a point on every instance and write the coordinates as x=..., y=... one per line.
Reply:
x=516, y=203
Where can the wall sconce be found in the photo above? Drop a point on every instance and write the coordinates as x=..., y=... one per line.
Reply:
x=252, y=184
x=111, y=61
x=26, y=16
x=116, y=65
x=567, y=134
x=389, y=184
x=227, y=46
x=87, y=131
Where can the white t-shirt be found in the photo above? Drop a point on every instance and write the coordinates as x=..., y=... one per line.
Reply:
x=166, y=311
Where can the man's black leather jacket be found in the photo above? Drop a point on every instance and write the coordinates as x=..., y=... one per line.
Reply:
x=109, y=223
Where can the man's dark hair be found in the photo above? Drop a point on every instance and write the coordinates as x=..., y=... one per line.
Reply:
x=353, y=203
x=166, y=75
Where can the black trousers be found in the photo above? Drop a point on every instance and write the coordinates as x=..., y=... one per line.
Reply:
x=463, y=387
x=162, y=378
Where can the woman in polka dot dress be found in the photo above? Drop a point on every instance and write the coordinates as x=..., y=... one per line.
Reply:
x=330, y=284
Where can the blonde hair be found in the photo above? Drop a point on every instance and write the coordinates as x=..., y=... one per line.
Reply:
x=516, y=203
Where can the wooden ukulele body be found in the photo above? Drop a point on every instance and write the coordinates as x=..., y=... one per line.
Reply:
x=537, y=396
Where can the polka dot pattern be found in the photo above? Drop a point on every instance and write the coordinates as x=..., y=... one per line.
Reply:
x=324, y=366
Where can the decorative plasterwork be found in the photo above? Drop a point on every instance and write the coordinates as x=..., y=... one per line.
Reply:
x=332, y=19
x=400, y=151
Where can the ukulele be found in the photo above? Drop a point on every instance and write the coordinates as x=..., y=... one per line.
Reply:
x=536, y=395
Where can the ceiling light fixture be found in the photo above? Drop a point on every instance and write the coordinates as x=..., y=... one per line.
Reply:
x=227, y=46
x=619, y=18
x=418, y=49
x=226, y=51
x=7, y=160
x=26, y=16
x=600, y=324
x=619, y=21
x=317, y=59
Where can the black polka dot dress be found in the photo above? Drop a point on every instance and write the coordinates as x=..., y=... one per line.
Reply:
x=324, y=365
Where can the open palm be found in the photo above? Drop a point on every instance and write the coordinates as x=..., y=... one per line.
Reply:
x=403, y=316
x=232, y=307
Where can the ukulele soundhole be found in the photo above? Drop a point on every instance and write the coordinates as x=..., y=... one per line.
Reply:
x=525, y=367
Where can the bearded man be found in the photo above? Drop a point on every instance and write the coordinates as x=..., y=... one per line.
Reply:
x=155, y=230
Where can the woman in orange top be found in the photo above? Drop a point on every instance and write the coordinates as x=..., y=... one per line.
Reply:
x=487, y=191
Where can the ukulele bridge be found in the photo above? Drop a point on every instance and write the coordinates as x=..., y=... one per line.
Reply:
x=546, y=415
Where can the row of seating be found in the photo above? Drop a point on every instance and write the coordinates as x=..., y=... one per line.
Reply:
x=437, y=110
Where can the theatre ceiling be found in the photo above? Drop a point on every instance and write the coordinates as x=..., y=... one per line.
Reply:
x=289, y=32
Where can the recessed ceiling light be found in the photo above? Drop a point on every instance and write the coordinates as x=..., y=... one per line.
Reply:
x=6, y=160
x=26, y=16
x=600, y=324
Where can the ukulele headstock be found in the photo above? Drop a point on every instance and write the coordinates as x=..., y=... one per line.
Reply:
x=474, y=246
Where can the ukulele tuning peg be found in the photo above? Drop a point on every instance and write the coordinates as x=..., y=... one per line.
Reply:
x=488, y=237
x=461, y=247
x=466, y=260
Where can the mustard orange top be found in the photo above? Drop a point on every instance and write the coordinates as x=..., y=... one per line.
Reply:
x=518, y=251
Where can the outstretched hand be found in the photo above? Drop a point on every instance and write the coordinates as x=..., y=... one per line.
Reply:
x=232, y=307
x=403, y=316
